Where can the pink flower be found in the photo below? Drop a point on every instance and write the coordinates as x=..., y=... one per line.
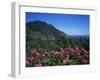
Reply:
x=27, y=62
x=86, y=52
x=56, y=53
x=62, y=52
x=77, y=51
x=83, y=49
x=33, y=52
x=71, y=50
x=37, y=54
x=64, y=61
x=42, y=55
x=38, y=65
x=67, y=56
x=76, y=48
x=31, y=59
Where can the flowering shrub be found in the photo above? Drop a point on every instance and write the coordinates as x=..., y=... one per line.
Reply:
x=70, y=56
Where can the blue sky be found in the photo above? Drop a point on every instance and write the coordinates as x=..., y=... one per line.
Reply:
x=71, y=24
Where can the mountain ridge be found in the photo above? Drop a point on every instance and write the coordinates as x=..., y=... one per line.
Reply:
x=45, y=29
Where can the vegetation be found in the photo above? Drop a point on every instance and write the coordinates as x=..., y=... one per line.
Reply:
x=45, y=38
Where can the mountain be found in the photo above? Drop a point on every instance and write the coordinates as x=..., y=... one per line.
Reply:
x=43, y=30
x=41, y=35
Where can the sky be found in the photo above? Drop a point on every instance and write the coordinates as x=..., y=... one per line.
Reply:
x=71, y=24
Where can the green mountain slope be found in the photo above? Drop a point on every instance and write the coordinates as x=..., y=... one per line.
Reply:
x=44, y=31
x=41, y=35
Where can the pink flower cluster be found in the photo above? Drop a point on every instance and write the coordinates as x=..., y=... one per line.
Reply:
x=70, y=56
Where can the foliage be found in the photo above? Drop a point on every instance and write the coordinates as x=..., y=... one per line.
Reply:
x=46, y=39
x=69, y=56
